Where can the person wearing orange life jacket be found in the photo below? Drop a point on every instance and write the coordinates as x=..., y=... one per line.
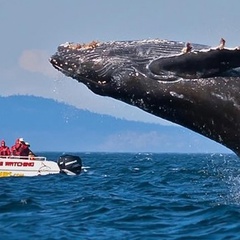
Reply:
x=21, y=148
x=15, y=148
x=4, y=150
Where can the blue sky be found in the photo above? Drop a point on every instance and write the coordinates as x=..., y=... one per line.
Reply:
x=32, y=30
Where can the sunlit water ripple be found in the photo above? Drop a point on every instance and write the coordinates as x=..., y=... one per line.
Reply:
x=127, y=196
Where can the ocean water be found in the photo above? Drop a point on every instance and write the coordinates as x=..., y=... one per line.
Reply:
x=127, y=196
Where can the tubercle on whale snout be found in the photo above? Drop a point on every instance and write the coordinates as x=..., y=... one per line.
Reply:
x=54, y=63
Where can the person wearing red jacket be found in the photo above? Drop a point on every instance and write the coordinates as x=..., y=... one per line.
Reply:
x=21, y=148
x=16, y=147
x=4, y=150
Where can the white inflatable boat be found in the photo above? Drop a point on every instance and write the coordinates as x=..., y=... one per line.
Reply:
x=35, y=166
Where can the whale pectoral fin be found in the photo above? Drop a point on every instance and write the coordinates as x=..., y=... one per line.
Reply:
x=199, y=64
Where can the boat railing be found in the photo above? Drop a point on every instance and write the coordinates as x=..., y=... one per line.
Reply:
x=38, y=158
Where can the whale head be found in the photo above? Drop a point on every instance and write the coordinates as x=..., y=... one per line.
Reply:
x=197, y=88
x=103, y=67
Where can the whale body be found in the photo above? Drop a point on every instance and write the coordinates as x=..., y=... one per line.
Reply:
x=198, y=89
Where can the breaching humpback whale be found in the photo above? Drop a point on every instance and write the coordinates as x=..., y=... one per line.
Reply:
x=192, y=85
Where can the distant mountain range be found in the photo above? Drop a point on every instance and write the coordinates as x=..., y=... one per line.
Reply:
x=52, y=126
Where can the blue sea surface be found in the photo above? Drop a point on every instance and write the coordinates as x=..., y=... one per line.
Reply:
x=127, y=196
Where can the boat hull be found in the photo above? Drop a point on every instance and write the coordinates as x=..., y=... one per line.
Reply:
x=19, y=166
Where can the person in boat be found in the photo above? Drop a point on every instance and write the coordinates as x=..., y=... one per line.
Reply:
x=4, y=150
x=23, y=149
x=30, y=153
x=16, y=147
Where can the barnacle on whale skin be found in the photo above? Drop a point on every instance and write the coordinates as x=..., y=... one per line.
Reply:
x=77, y=46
